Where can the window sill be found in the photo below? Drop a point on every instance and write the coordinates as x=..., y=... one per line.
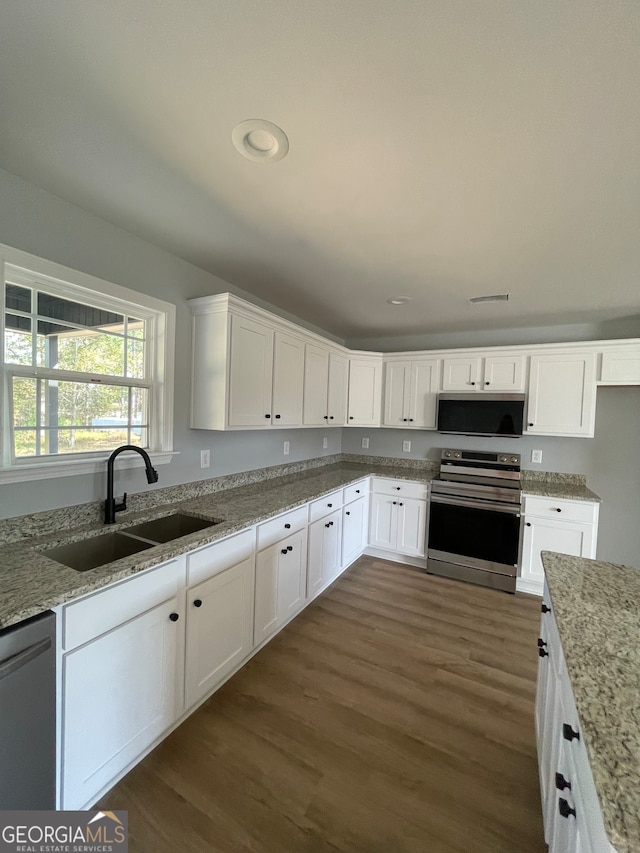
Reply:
x=72, y=467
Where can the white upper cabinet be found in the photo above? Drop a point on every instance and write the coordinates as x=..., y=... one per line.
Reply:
x=325, y=387
x=411, y=393
x=620, y=367
x=562, y=394
x=288, y=379
x=365, y=391
x=491, y=373
x=250, y=373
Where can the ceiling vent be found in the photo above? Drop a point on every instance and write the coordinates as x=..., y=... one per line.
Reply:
x=496, y=297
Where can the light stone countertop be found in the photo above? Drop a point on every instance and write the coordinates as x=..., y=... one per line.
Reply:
x=31, y=582
x=559, y=489
x=597, y=610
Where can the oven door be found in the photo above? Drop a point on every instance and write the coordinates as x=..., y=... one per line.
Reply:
x=474, y=533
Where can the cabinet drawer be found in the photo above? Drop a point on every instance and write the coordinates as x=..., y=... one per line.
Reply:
x=215, y=558
x=283, y=525
x=356, y=490
x=323, y=506
x=98, y=613
x=560, y=509
x=406, y=488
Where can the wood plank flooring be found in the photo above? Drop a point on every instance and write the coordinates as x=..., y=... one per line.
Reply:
x=394, y=715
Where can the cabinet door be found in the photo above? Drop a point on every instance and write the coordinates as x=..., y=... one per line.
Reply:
x=462, y=374
x=396, y=393
x=219, y=628
x=365, y=391
x=315, y=558
x=423, y=393
x=316, y=386
x=332, y=547
x=504, y=373
x=562, y=394
x=354, y=531
x=288, y=379
x=121, y=691
x=250, y=373
x=266, y=601
x=412, y=520
x=292, y=575
x=383, y=525
x=338, y=381
x=565, y=537
x=621, y=368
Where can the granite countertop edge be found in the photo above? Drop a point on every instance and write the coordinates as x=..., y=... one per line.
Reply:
x=595, y=607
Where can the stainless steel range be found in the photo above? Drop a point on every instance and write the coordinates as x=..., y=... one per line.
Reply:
x=474, y=518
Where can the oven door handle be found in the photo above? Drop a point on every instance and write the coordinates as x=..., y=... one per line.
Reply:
x=494, y=507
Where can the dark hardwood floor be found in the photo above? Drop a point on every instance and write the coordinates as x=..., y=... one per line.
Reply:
x=394, y=715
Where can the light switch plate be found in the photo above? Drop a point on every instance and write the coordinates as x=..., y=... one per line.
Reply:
x=286, y=448
x=406, y=447
x=365, y=443
x=205, y=458
x=325, y=443
x=536, y=456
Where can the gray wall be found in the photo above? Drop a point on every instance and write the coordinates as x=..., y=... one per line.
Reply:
x=45, y=225
x=611, y=462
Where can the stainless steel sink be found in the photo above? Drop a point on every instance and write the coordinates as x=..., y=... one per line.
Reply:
x=170, y=527
x=97, y=551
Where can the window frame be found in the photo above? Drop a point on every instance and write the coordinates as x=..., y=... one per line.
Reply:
x=159, y=316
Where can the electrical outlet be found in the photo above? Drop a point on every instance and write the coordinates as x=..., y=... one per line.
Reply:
x=325, y=443
x=406, y=447
x=536, y=456
x=205, y=458
x=286, y=448
x=365, y=443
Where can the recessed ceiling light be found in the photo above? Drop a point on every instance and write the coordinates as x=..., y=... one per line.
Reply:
x=496, y=297
x=260, y=140
x=399, y=300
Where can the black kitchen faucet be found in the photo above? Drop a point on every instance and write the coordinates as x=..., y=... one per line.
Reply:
x=110, y=505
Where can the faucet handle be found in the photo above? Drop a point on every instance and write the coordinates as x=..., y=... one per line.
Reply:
x=123, y=505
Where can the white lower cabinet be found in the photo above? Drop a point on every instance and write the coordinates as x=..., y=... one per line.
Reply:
x=564, y=526
x=398, y=524
x=121, y=691
x=219, y=628
x=571, y=812
x=325, y=542
x=354, y=530
x=281, y=580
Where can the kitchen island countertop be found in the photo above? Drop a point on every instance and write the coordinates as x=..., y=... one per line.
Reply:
x=597, y=611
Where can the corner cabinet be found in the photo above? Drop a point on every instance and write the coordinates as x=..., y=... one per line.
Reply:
x=552, y=524
x=398, y=519
x=365, y=390
x=562, y=394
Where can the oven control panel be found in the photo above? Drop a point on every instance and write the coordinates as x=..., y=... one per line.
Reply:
x=481, y=459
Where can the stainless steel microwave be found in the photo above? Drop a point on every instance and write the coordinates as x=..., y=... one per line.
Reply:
x=481, y=414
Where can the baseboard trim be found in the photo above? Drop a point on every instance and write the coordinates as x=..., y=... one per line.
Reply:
x=529, y=586
x=396, y=557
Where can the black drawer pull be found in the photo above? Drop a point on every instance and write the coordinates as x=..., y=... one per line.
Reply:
x=174, y=617
x=287, y=527
x=528, y=523
x=329, y=505
x=564, y=808
x=329, y=524
x=557, y=508
x=542, y=653
x=289, y=547
x=197, y=602
x=568, y=733
x=545, y=609
x=561, y=782
x=347, y=512
x=284, y=551
x=397, y=488
x=357, y=491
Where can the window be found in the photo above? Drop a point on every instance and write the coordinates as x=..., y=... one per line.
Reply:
x=86, y=367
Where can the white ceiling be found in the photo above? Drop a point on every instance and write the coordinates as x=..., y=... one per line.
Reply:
x=439, y=149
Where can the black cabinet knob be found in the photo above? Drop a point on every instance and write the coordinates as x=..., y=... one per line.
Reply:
x=267, y=416
x=568, y=733
x=545, y=609
x=289, y=547
x=397, y=488
x=287, y=527
x=277, y=417
x=350, y=417
x=411, y=420
x=541, y=643
x=330, y=417
x=472, y=383
x=284, y=551
x=395, y=502
x=326, y=417
x=400, y=504
x=197, y=602
x=528, y=523
x=329, y=505
x=347, y=512
x=558, y=509
x=405, y=419
x=542, y=653
x=328, y=524
x=530, y=424
x=487, y=383
x=564, y=808
x=561, y=782
x=357, y=491
x=174, y=617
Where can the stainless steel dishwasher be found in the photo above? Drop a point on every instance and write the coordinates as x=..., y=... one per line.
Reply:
x=28, y=714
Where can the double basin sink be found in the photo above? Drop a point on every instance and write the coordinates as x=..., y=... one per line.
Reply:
x=107, y=547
